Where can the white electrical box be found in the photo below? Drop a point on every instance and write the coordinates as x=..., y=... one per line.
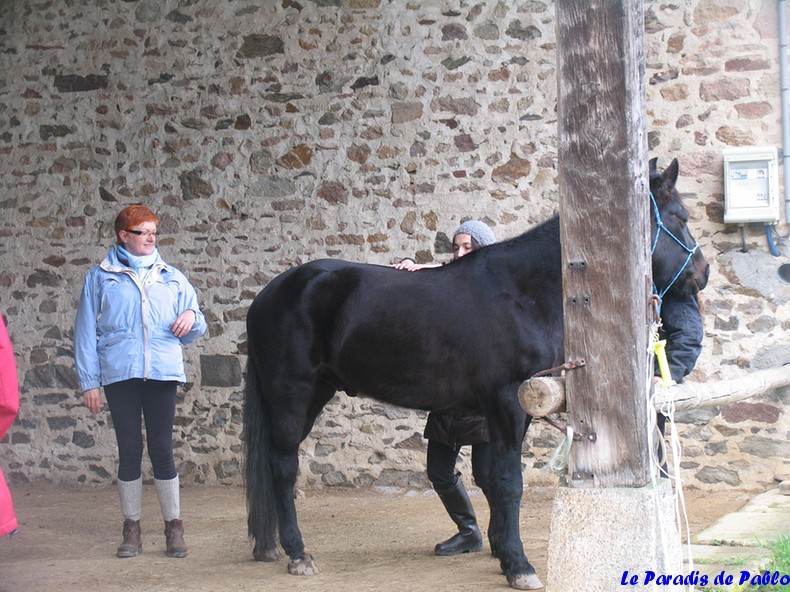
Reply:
x=751, y=185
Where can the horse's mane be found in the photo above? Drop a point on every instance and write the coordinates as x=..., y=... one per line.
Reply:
x=546, y=230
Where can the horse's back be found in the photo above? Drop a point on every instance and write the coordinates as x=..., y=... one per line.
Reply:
x=426, y=339
x=292, y=293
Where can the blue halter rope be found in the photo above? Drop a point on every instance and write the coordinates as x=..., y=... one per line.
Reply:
x=690, y=250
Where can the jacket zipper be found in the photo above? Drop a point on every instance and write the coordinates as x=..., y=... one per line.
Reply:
x=144, y=315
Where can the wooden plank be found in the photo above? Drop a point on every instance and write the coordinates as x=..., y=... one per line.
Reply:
x=604, y=232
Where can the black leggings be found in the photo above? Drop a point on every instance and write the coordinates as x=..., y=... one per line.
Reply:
x=440, y=465
x=129, y=400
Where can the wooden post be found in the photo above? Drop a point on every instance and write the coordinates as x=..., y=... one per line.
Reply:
x=604, y=232
x=612, y=517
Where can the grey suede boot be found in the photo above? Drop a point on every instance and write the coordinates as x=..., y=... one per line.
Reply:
x=174, y=535
x=132, y=544
x=170, y=501
x=468, y=539
x=130, y=495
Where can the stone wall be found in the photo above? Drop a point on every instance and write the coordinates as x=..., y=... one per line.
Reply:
x=269, y=133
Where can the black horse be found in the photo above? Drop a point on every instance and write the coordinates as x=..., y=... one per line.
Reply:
x=370, y=330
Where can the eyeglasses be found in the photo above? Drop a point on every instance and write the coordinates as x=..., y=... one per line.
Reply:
x=143, y=233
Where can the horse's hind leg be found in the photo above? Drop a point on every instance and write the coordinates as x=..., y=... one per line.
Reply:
x=285, y=465
x=266, y=549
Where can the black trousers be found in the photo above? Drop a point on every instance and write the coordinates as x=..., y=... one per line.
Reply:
x=129, y=402
x=440, y=465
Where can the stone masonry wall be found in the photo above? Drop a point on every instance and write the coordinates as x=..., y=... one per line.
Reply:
x=268, y=133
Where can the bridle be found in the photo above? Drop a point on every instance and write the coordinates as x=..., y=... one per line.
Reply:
x=690, y=250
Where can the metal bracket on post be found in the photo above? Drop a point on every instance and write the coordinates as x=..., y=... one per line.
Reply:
x=580, y=437
x=578, y=265
x=579, y=299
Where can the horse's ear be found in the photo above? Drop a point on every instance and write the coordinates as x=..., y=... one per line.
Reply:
x=653, y=167
x=671, y=173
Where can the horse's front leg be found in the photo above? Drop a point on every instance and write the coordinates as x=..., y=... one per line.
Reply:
x=506, y=491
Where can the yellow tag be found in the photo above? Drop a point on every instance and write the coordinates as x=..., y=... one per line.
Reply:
x=663, y=366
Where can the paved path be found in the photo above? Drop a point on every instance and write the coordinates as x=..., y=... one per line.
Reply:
x=737, y=542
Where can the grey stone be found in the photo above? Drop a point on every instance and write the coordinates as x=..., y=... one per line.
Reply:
x=272, y=187
x=227, y=469
x=260, y=45
x=193, y=186
x=69, y=83
x=220, y=370
x=718, y=475
x=519, y=31
x=82, y=439
x=61, y=423
x=763, y=447
x=148, y=11
x=261, y=161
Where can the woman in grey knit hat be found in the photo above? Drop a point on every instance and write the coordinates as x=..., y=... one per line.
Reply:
x=448, y=431
x=469, y=236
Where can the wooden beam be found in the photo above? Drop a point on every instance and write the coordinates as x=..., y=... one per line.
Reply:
x=709, y=394
x=540, y=397
x=544, y=396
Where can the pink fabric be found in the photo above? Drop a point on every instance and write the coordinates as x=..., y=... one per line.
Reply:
x=9, y=407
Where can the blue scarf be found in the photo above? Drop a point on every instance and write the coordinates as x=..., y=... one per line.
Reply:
x=140, y=264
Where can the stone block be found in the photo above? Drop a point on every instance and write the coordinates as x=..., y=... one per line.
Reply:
x=601, y=538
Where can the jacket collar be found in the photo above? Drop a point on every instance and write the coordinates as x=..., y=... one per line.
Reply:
x=113, y=264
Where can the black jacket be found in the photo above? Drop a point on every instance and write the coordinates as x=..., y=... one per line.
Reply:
x=456, y=428
x=681, y=326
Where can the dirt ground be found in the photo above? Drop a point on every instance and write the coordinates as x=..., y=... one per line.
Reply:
x=362, y=540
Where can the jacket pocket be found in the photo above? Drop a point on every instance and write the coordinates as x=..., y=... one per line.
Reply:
x=120, y=356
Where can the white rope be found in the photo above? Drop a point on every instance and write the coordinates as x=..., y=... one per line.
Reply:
x=681, y=516
x=657, y=453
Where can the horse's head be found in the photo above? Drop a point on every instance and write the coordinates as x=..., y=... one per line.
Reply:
x=679, y=267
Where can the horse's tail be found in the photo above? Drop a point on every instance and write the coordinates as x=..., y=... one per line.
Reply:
x=261, y=508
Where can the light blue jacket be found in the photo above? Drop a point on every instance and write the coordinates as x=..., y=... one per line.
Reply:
x=122, y=329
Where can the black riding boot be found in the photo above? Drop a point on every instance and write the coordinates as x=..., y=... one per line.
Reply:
x=458, y=506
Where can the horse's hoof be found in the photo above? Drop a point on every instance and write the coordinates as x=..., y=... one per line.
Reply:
x=267, y=555
x=303, y=567
x=525, y=582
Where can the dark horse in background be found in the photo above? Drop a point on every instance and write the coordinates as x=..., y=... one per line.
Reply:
x=371, y=330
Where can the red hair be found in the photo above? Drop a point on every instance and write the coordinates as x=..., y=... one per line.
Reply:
x=132, y=216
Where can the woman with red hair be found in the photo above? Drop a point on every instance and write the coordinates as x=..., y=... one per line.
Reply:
x=135, y=314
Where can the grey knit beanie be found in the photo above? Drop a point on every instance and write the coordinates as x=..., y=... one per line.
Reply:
x=478, y=230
